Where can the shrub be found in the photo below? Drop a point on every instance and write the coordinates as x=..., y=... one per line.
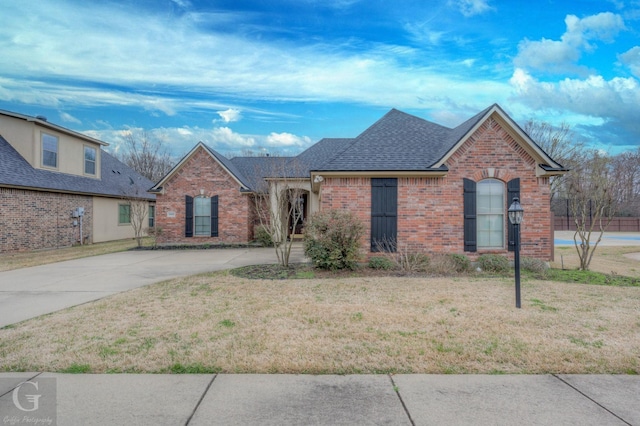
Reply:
x=531, y=264
x=262, y=236
x=461, y=262
x=332, y=239
x=446, y=264
x=493, y=263
x=381, y=263
x=412, y=262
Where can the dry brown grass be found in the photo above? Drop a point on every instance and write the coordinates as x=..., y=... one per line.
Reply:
x=607, y=259
x=43, y=257
x=218, y=322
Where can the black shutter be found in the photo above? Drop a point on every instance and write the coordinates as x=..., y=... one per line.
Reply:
x=513, y=190
x=470, y=227
x=214, y=216
x=384, y=213
x=188, y=221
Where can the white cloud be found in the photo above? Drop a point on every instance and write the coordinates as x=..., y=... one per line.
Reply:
x=287, y=140
x=561, y=55
x=68, y=118
x=472, y=7
x=164, y=76
x=593, y=101
x=230, y=115
x=631, y=58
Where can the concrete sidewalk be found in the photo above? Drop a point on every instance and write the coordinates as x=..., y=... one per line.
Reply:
x=224, y=399
x=30, y=292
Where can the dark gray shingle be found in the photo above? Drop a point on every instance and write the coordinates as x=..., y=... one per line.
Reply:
x=117, y=180
x=399, y=142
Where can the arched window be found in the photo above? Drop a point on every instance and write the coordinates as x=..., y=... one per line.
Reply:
x=490, y=213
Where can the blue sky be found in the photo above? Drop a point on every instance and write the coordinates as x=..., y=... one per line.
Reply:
x=278, y=75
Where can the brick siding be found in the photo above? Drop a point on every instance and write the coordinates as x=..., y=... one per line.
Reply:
x=430, y=210
x=33, y=220
x=203, y=172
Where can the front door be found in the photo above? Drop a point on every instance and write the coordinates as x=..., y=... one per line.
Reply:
x=384, y=214
x=298, y=214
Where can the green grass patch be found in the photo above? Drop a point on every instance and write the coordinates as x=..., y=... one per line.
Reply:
x=543, y=306
x=590, y=277
x=196, y=368
x=77, y=369
x=227, y=323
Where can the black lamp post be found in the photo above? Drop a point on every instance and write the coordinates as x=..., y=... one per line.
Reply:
x=515, y=217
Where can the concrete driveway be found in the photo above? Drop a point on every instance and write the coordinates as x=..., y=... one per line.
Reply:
x=31, y=292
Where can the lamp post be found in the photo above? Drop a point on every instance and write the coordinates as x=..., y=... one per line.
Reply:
x=515, y=217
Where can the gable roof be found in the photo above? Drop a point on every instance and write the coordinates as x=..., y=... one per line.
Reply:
x=397, y=142
x=42, y=121
x=117, y=179
x=400, y=142
x=248, y=172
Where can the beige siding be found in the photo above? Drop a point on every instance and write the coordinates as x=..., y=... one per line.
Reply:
x=105, y=221
x=20, y=134
x=26, y=138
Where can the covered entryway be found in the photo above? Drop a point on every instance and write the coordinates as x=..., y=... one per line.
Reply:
x=299, y=208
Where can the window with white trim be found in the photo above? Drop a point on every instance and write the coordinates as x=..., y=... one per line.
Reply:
x=490, y=213
x=89, y=160
x=124, y=214
x=202, y=216
x=49, y=150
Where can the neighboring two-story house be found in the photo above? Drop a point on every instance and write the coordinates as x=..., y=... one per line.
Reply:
x=426, y=187
x=59, y=188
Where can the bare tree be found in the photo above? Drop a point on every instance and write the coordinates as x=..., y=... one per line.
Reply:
x=561, y=144
x=279, y=203
x=591, y=191
x=138, y=215
x=147, y=156
x=626, y=172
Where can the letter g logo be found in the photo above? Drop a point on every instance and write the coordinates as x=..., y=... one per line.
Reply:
x=33, y=399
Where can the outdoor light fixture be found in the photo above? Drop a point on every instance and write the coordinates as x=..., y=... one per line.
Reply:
x=515, y=217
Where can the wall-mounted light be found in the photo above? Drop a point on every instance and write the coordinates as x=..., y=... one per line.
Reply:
x=318, y=179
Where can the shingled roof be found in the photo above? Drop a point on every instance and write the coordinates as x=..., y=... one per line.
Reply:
x=398, y=142
x=117, y=179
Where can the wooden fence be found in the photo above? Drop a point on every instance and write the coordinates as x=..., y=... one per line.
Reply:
x=618, y=224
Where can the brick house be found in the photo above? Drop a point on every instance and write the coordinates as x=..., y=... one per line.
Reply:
x=424, y=186
x=59, y=188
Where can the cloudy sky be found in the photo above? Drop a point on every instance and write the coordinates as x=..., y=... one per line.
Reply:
x=278, y=75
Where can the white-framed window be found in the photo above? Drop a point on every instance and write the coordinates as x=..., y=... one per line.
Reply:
x=152, y=216
x=490, y=213
x=49, y=150
x=124, y=214
x=90, y=154
x=202, y=216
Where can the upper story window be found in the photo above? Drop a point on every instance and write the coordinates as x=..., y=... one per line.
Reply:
x=49, y=150
x=490, y=213
x=89, y=160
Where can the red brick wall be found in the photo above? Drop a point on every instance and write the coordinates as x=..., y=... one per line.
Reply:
x=201, y=171
x=33, y=220
x=430, y=210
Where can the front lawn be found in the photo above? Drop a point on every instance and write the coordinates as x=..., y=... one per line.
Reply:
x=343, y=324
